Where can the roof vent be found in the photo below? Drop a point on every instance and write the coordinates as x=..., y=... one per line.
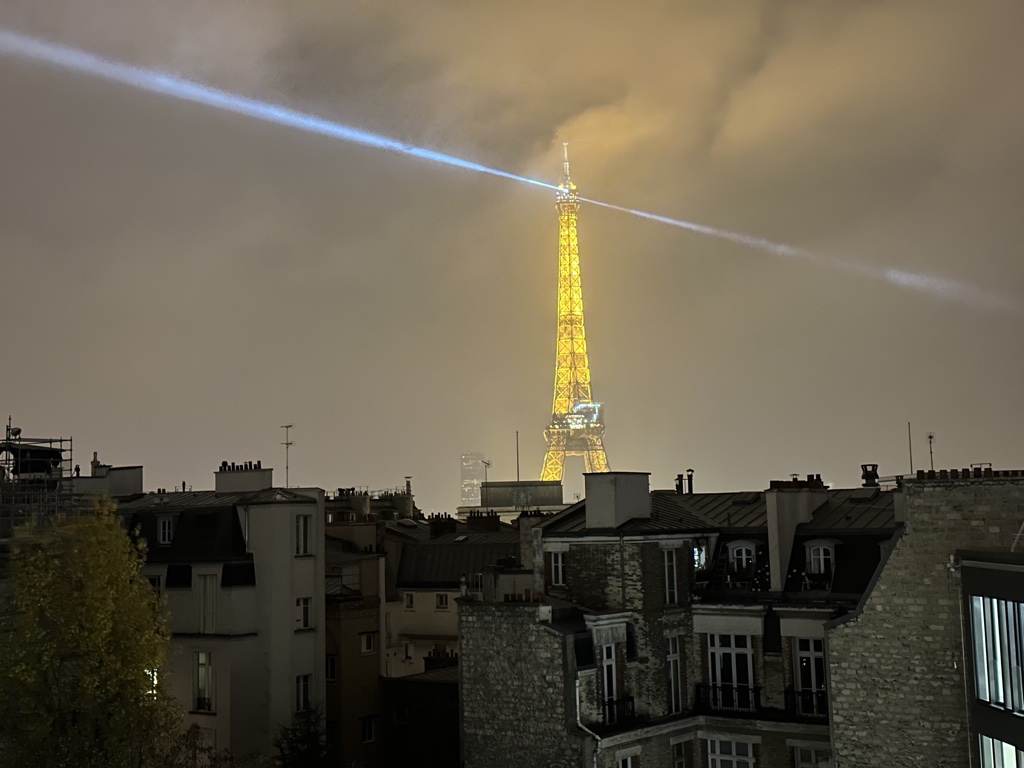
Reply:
x=869, y=474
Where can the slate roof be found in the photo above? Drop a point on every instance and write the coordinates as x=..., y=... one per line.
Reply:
x=440, y=562
x=845, y=509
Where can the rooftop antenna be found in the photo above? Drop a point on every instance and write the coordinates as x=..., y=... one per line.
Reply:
x=486, y=464
x=910, y=447
x=931, y=456
x=517, y=455
x=287, y=448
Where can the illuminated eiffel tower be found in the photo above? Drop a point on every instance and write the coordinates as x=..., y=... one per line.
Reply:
x=577, y=428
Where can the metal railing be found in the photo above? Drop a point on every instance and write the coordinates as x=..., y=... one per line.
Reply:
x=807, y=704
x=619, y=710
x=728, y=698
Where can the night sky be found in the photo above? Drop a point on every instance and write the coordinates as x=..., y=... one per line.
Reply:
x=178, y=282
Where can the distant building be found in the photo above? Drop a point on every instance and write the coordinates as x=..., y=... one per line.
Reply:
x=509, y=498
x=242, y=568
x=473, y=474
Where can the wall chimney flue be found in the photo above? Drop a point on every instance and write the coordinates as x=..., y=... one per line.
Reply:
x=689, y=481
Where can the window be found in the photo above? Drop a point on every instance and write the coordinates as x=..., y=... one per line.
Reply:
x=207, y=603
x=608, y=683
x=997, y=627
x=153, y=675
x=164, y=530
x=668, y=558
x=819, y=559
x=811, y=698
x=155, y=582
x=410, y=600
x=806, y=757
x=441, y=603
x=367, y=727
x=675, y=688
x=731, y=671
x=999, y=754
x=302, y=683
x=741, y=557
x=626, y=762
x=730, y=754
x=558, y=569
x=367, y=642
x=303, y=613
x=203, y=682
x=331, y=668
x=679, y=755
x=302, y=535
x=700, y=555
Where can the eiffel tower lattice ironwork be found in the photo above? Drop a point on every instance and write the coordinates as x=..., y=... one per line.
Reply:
x=577, y=427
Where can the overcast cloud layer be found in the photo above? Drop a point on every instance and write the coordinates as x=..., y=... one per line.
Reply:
x=178, y=282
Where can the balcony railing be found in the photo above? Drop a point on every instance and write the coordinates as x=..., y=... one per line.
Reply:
x=745, y=699
x=618, y=711
x=808, y=704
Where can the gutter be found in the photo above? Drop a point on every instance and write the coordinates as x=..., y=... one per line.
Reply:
x=582, y=727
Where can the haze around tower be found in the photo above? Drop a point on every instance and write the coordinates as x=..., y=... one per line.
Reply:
x=197, y=281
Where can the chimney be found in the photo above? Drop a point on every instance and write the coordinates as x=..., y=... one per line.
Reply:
x=790, y=503
x=441, y=525
x=869, y=474
x=479, y=520
x=614, y=498
x=245, y=477
x=689, y=481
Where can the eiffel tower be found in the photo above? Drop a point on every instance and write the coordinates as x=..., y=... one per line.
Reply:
x=577, y=428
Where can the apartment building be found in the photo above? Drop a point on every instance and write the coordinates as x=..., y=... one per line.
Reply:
x=670, y=628
x=242, y=569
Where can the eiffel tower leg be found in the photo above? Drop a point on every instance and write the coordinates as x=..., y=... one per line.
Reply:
x=595, y=459
x=554, y=459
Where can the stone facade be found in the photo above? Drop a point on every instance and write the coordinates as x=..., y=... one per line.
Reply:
x=515, y=710
x=896, y=666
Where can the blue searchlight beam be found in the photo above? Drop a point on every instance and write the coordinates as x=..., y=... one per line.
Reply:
x=34, y=49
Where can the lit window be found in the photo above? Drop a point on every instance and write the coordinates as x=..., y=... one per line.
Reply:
x=302, y=684
x=302, y=534
x=367, y=728
x=558, y=569
x=668, y=561
x=442, y=601
x=730, y=754
x=164, y=530
x=303, y=613
x=700, y=555
x=367, y=642
x=997, y=627
x=152, y=675
x=203, y=681
x=331, y=668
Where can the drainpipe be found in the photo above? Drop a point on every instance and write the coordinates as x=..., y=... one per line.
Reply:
x=622, y=569
x=582, y=727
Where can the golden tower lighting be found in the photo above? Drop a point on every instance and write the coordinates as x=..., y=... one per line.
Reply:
x=577, y=428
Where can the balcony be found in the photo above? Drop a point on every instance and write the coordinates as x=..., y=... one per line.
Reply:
x=809, y=705
x=618, y=711
x=742, y=700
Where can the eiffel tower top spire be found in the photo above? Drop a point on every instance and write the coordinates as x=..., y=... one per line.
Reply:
x=567, y=189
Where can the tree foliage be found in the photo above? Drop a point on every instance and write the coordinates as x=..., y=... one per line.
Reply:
x=303, y=744
x=83, y=638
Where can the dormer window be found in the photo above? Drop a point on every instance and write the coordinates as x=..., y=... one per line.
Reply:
x=821, y=557
x=164, y=530
x=742, y=555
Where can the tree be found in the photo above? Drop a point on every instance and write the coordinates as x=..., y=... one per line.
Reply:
x=303, y=744
x=82, y=643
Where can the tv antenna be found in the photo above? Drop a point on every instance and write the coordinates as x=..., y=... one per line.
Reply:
x=931, y=456
x=287, y=449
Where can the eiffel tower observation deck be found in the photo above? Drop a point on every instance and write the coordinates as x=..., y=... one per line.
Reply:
x=577, y=426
